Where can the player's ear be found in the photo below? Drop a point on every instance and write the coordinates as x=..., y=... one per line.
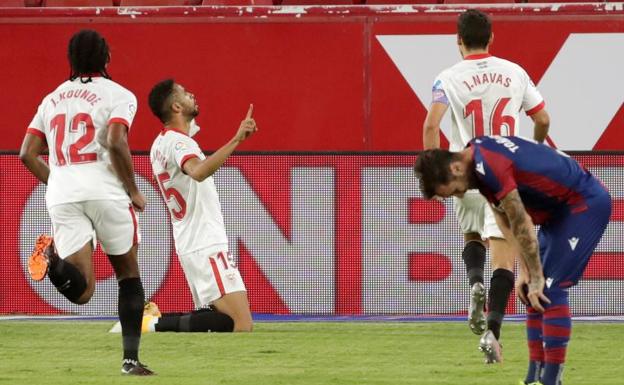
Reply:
x=491, y=39
x=176, y=107
x=456, y=169
x=460, y=46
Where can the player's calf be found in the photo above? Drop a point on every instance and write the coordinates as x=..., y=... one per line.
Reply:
x=236, y=305
x=535, y=341
x=557, y=328
x=501, y=285
x=131, y=300
x=66, y=277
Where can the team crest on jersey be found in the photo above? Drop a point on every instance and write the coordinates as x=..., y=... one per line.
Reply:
x=480, y=168
x=180, y=146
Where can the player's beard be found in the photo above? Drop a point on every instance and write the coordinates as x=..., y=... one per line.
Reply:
x=195, y=111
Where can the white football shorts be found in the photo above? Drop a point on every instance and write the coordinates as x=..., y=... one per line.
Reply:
x=211, y=276
x=112, y=222
x=475, y=215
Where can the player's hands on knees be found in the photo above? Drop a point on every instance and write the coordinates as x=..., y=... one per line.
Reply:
x=138, y=201
x=535, y=293
x=247, y=126
x=522, y=283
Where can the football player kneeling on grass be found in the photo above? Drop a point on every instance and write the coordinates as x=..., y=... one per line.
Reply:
x=184, y=175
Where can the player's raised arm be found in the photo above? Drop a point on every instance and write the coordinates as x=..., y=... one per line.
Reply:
x=523, y=232
x=32, y=147
x=202, y=169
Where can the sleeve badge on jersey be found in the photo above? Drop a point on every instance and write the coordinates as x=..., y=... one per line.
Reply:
x=132, y=109
x=180, y=146
x=439, y=97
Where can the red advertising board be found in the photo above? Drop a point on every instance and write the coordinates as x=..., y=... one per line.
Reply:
x=321, y=78
x=329, y=234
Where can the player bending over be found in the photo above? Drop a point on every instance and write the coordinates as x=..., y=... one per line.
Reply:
x=484, y=95
x=530, y=184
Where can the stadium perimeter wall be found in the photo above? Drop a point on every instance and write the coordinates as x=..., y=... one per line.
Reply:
x=330, y=221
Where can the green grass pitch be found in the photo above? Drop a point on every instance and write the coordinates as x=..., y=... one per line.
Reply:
x=297, y=353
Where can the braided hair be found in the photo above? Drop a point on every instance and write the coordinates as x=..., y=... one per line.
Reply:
x=88, y=54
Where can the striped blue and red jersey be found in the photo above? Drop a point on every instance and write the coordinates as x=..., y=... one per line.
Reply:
x=550, y=183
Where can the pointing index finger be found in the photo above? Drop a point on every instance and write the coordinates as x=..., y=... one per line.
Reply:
x=249, y=112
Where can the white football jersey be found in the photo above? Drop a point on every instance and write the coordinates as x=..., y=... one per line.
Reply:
x=485, y=94
x=74, y=120
x=194, y=206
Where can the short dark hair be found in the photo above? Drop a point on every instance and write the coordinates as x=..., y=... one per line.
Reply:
x=474, y=28
x=88, y=54
x=158, y=97
x=432, y=167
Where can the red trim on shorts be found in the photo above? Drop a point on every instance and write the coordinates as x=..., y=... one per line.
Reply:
x=135, y=236
x=36, y=132
x=119, y=120
x=536, y=109
x=215, y=270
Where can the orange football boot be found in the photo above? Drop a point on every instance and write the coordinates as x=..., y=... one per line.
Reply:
x=39, y=260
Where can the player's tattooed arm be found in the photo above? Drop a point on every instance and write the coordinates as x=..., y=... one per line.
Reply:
x=523, y=231
x=522, y=280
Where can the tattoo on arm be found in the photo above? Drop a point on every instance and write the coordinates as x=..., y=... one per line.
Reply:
x=523, y=230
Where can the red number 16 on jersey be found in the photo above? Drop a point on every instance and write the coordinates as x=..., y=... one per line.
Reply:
x=497, y=119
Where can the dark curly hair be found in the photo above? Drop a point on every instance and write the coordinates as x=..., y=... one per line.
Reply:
x=432, y=167
x=474, y=27
x=88, y=54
